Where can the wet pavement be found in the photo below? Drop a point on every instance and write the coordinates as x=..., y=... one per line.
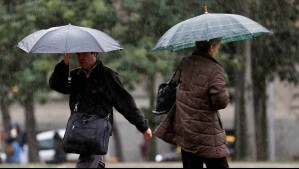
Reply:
x=292, y=164
x=232, y=165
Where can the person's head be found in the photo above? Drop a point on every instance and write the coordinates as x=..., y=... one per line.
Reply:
x=13, y=133
x=87, y=59
x=210, y=47
x=16, y=126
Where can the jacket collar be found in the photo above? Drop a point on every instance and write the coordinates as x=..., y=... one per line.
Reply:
x=98, y=66
x=207, y=56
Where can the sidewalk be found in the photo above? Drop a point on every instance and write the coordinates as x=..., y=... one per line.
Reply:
x=232, y=165
x=163, y=165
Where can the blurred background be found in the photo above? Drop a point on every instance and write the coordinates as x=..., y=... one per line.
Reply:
x=261, y=121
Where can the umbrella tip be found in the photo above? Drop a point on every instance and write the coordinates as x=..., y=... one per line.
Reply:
x=205, y=9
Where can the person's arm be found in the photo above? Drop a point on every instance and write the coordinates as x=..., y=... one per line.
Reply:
x=219, y=97
x=125, y=103
x=59, y=78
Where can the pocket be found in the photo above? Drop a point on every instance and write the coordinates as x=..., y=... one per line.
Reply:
x=106, y=137
x=82, y=132
x=103, y=134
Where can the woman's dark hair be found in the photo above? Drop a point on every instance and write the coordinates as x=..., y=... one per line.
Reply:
x=203, y=46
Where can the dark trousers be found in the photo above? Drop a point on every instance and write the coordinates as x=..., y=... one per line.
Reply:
x=193, y=161
x=90, y=161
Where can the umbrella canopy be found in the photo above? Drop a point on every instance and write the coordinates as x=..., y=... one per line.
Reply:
x=68, y=39
x=229, y=27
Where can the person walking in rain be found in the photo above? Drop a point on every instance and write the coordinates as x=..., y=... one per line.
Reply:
x=196, y=126
x=100, y=89
x=13, y=149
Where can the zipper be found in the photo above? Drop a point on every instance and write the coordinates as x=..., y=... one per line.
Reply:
x=76, y=107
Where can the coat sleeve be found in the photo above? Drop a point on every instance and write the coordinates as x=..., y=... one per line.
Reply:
x=218, y=94
x=125, y=104
x=59, y=78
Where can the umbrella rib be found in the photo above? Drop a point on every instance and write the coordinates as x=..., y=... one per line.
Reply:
x=242, y=27
x=243, y=36
x=94, y=39
x=66, y=40
x=32, y=51
x=173, y=37
x=28, y=48
x=178, y=25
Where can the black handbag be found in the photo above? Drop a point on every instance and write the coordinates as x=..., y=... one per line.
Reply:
x=167, y=94
x=165, y=98
x=87, y=134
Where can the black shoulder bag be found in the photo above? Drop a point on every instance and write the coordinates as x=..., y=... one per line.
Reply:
x=87, y=134
x=167, y=94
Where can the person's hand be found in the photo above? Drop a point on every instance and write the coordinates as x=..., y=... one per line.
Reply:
x=148, y=134
x=67, y=58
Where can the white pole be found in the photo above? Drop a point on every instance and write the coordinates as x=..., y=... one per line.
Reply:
x=271, y=120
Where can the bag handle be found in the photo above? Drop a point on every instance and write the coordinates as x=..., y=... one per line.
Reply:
x=93, y=117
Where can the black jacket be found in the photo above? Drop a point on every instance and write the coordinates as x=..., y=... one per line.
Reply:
x=97, y=93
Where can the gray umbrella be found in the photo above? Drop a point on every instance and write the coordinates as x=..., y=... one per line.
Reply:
x=68, y=39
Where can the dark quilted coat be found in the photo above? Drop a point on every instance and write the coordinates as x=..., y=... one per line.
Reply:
x=195, y=124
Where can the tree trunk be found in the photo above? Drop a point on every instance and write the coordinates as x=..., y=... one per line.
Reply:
x=240, y=118
x=261, y=119
x=30, y=125
x=248, y=90
x=244, y=117
x=6, y=119
x=249, y=104
x=260, y=99
x=151, y=117
x=244, y=113
x=117, y=142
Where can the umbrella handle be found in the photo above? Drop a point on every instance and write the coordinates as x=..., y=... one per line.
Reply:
x=67, y=60
x=69, y=78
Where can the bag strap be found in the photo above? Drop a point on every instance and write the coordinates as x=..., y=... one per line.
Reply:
x=76, y=108
x=79, y=96
x=176, y=75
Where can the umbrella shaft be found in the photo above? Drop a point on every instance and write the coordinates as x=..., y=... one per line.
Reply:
x=69, y=78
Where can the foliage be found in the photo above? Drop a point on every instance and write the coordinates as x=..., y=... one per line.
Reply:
x=276, y=54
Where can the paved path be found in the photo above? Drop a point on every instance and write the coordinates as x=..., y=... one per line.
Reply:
x=166, y=165
x=232, y=165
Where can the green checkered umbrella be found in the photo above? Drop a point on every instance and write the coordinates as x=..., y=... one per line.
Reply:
x=229, y=27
